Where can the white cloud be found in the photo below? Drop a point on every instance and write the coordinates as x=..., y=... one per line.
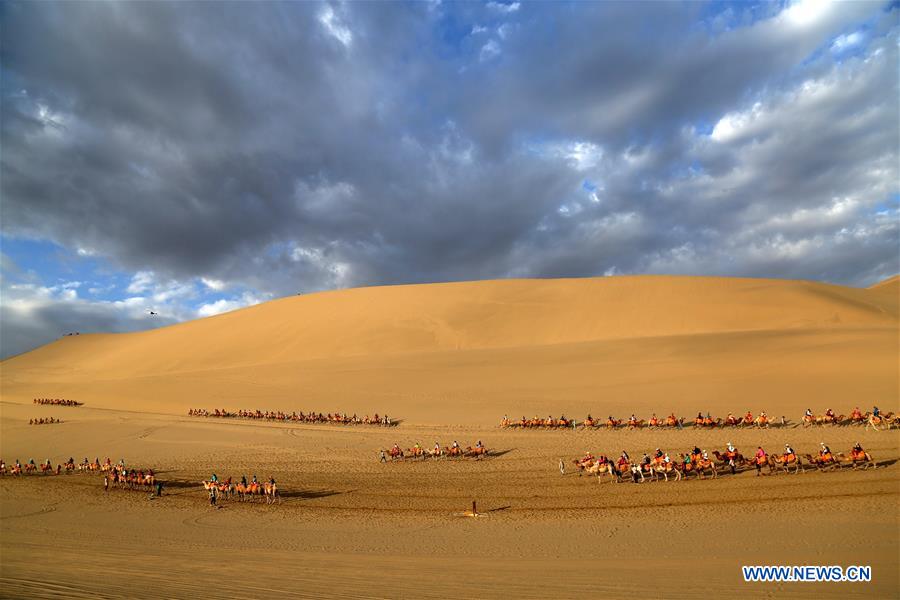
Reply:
x=489, y=50
x=214, y=284
x=846, y=41
x=579, y=155
x=227, y=305
x=504, y=8
x=805, y=13
x=140, y=282
x=334, y=27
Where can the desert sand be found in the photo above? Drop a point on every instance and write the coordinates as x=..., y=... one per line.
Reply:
x=449, y=360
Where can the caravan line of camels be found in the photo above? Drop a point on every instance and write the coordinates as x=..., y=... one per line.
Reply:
x=311, y=417
x=698, y=462
x=56, y=401
x=874, y=419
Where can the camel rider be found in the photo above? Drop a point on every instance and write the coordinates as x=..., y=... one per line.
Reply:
x=825, y=452
x=705, y=455
x=876, y=412
x=645, y=460
x=856, y=414
x=856, y=448
x=788, y=451
x=659, y=453
x=829, y=413
x=214, y=479
x=809, y=413
x=243, y=480
x=479, y=445
x=748, y=416
x=695, y=451
x=255, y=480
x=624, y=457
x=455, y=445
x=31, y=462
x=437, y=448
x=271, y=481
x=731, y=448
x=760, y=460
x=666, y=458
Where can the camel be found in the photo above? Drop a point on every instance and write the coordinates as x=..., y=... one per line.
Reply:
x=599, y=468
x=696, y=463
x=762, y=421
x=416, y=451
x=635, y=424
x=858, y=458
x=873, y=422
x=624, y=467
x=657, y=468
x=730, y=459
x=395, y=453
x=271, y=492
x=478, y=452
x=46, y=467
x=784, y=462
x=704, y=464
x=823, y=463
x=584, y=462
x=613, y=423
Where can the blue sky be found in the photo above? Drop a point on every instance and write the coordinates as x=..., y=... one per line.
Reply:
x=190, y=159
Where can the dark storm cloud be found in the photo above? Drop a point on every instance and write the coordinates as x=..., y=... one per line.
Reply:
x=299, y=146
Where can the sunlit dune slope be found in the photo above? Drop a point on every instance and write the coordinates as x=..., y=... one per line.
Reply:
x=516, y=344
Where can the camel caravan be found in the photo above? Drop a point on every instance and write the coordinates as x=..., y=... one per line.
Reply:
x=874, y=419
x=454, y=450
x=117, y=473
x=761, y=421
x=44, y=421
x=242, y=491
x=294, y=417
x=698, y=462
x=56, y=401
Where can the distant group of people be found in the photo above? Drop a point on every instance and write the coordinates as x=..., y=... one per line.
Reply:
x=437, y=451
x=44, y=421
x=700, y=421
x=301, y=417
x=56, y=401
x=226, y=488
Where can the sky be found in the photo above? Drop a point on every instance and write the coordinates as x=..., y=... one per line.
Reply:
x=190, y=158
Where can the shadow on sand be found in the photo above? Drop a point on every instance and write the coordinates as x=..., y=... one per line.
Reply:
x=309, y=494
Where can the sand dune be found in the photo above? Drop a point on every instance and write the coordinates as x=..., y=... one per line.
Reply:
x=469, y=352
x=450, y=360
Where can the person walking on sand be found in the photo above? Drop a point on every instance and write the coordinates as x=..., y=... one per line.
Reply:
x=159, y=487
x=106, y=483
x=383, y=456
